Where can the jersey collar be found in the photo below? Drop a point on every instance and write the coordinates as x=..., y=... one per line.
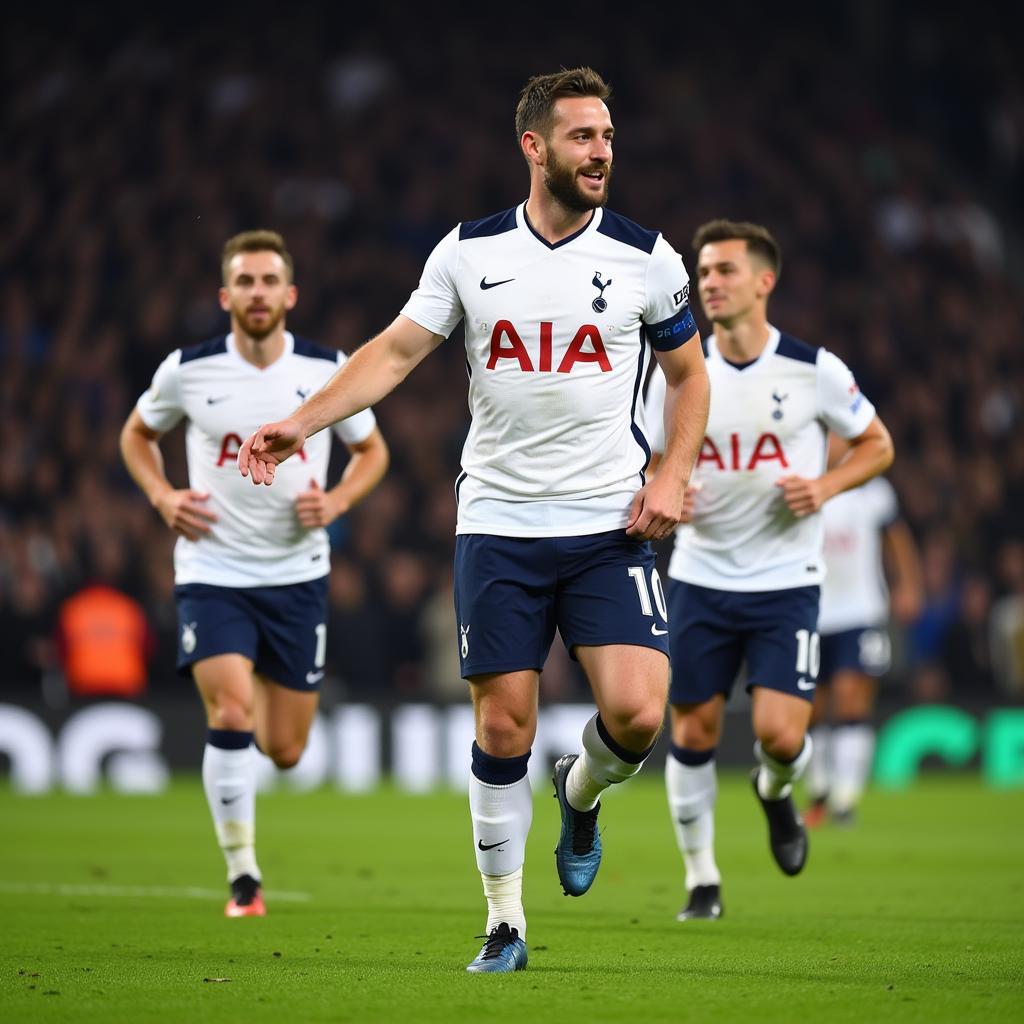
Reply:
x=769, y=350
x=232, y=348
x=524, y=222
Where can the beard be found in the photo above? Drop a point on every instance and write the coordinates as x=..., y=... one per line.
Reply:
x=560, y=181
x=259, y=329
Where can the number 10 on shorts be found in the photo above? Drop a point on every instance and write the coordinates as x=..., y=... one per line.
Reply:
x=808, y=653
x=637, y=572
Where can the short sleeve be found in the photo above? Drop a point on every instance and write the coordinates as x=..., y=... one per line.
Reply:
x=160, y=406
x=667, y=317
x=654, y=411
x=842, y=406
x=435, y=305
x=357, y=427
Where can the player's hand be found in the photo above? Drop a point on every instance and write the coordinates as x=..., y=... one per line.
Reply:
x=803, y=497
x=264, y=451
x=656, y=510
x=186, y=513
x=315, y=507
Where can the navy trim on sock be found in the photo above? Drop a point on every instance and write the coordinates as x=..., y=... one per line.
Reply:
x=498, y=771
x=228, y=739
x=691, y=758
x=629, y=756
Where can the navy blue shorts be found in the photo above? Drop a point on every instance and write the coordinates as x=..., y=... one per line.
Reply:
x=282, y=630
x=715, y=631
x=512, y=593
x=864, y=649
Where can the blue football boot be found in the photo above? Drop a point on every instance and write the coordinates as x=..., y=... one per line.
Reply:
x=503, y=952
x=578, y=853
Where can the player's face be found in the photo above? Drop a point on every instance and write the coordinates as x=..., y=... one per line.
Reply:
x=579, y=153
x=730, y=282
x=258, y=293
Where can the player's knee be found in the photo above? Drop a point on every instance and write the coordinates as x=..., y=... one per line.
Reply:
x=285, y=755
x=502, y=732
x=635, y=728
x=783, y=742
x=230, y=714
x=696, y=731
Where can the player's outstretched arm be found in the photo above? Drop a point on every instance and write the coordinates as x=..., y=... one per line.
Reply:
x=870, y=453
x=372, y=372
x=658, y=506
x=184, y=511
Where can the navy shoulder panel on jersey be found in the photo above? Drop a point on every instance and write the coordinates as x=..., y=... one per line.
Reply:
x=624, y=230
x=214, y=347
x=496, y=224
x=794, y=348
x=310, y=349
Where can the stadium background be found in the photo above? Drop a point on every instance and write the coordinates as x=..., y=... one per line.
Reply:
x=886, y=154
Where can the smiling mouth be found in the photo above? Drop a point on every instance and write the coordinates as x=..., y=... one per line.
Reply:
x=595, y=176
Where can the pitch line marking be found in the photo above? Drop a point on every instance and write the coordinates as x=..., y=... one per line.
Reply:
x=153, y=891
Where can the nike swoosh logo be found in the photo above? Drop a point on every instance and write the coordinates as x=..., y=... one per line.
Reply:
x=303, y=394
x=485, y=284
x=483, y=846
x=214, y=401
x=314, y=677
x=225, y=800
x=687, y=821
x=658, y=632
x=803, y=684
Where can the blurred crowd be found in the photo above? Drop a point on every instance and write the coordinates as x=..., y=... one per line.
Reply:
x=888, y=159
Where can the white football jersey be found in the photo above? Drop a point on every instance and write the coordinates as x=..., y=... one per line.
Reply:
x=224, y=399
x=768, y=419
x=854, y=593
x=558, y=341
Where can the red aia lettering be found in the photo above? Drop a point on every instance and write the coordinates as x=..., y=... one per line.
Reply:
x=227, y=452
x=232, y=442
x=506, y=344
x=767, y=449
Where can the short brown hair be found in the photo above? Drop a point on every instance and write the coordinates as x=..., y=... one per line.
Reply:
x=535, y=111
x=255, y=241
x=760, y=241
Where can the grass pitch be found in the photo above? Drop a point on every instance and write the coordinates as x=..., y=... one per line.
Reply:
x=110, y=910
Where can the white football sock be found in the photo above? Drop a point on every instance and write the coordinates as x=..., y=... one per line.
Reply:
x=775, y=779
x=819, y=775
x=230, y=785
x=502, y=816
x=505, y=901
x=597, y=768
x=692, y=792
x=853, y=751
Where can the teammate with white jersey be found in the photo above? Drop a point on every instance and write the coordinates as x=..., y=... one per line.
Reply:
x=562, y=302
x=746, y=567
x=252, y=631
x=860, y=526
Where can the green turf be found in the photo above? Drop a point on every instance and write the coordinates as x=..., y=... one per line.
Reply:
x=914, y=915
